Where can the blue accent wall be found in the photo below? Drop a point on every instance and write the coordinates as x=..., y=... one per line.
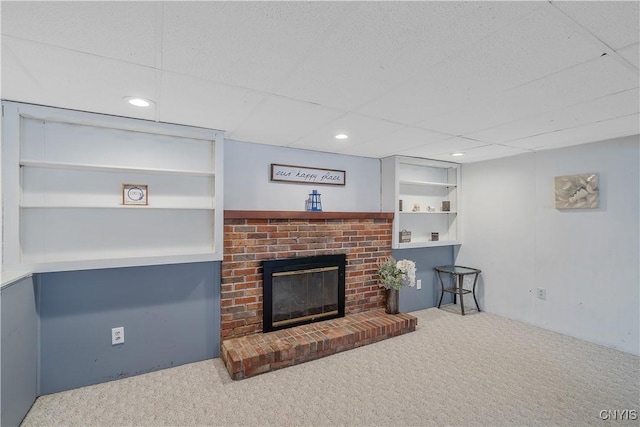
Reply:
x=19, y=351
x=426, y=259
x=170, y=315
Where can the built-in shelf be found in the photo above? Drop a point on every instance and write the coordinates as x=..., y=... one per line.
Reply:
x=425, y=243
x=8, y=278
x=417, y=190
x=427, y=183
x=427, y=213
x=64, y=173
x=111, y=168
x=120, y=206
x=70, y=262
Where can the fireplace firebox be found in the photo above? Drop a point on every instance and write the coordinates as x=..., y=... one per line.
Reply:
x=298, y=291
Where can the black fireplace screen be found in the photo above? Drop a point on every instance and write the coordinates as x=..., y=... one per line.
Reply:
x=302, y=290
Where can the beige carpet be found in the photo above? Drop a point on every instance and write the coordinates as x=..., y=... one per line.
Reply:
x=479, y=369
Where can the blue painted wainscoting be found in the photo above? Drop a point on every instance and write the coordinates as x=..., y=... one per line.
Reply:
x=426, y=259
x=170, y=315
x=19, y=350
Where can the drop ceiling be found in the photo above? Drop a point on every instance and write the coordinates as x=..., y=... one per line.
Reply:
x=425, y=79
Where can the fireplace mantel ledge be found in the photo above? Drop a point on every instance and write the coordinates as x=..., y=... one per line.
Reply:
x=234, y=214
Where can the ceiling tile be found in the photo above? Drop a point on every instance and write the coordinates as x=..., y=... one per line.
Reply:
x=390, y=143
x=618, y=105
x=631, y=54
x=529, y=49
x=590, y=80
x=249, y=44
x=383, y=44
x=359, y=128
x=32, y=72
x=197, y=102
x=524, y=51
x=281, y=121
x=614, y=22
x=485, y=152
x=118, y=30
x=442, y=150
x=592, y=132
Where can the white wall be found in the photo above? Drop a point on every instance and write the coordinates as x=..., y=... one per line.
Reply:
x=248, y=185
x=587, y=259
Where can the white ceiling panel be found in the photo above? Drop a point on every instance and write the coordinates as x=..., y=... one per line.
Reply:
x=118, y=30
x=632, y=54
x=281, y=121
x=360, y=129
x=613, y=22
x=389, y=143
x=35, y=73
x=592, y=132
x=249, y=44
x=522, y=52
x=348, y=68
x=485, y=152
x=590, y=80
x=442, y=150
x=606, y=108
x=444, y=87
x=182, y=98
x=530, y=49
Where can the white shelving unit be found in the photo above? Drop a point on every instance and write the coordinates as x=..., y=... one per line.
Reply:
x=110, y=168
x=63, y=174
x=415, y=189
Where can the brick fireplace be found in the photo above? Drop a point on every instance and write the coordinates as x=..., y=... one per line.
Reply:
x=251, y=237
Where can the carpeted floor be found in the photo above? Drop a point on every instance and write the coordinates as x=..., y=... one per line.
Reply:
x=479, y=369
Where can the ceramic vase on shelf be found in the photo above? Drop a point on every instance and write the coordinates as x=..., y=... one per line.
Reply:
x=391, y=304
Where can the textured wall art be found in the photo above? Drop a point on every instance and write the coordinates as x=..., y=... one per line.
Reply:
x=577, y=191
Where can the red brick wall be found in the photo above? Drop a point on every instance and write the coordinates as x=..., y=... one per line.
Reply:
x=247, y=242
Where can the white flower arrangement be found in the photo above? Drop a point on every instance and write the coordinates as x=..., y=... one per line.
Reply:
x=395, y=274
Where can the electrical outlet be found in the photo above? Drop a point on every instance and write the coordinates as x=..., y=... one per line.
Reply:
x=542, y=293
x=117, y=335
x=419, y=284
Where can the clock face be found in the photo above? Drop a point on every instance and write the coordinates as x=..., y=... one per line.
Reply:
x=135, y=194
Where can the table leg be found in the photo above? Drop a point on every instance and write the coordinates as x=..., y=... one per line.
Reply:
x=460, y=283
x=441, y=289
x=474, y=292
x=455, y=289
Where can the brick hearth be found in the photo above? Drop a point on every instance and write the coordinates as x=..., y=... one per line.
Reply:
x=253, y=236
x=259, y=353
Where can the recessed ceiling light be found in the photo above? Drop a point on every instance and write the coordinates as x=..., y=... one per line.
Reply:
x=457, y=154
x=138, y=102
x=342, y=136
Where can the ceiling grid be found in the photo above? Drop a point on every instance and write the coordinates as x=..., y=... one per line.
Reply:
x=427, y=79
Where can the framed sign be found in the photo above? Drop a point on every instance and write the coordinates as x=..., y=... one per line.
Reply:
x=288, y=173
x=135, y=194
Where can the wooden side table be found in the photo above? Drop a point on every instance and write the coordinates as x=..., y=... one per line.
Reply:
x=458, y=272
